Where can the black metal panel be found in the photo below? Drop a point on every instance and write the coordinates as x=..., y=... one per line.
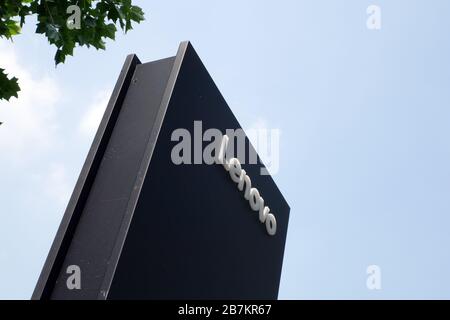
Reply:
x=148, y=229
x=193, y=235
x=87, y=176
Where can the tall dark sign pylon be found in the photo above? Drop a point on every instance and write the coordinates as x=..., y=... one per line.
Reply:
x=139, y=226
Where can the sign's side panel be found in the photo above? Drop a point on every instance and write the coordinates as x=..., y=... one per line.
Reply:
x=102, y=217
x=193, y=235
x=88, y=173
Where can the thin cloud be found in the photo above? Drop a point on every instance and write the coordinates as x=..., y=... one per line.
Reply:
x=29, y=123
x=91, y=119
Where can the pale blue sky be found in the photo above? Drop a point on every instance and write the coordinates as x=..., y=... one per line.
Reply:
x=364, y=116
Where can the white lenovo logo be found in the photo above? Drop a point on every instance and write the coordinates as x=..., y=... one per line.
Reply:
x=238, y=175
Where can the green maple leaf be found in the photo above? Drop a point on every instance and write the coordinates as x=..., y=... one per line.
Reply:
x=100, y=20
x=8, y=87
